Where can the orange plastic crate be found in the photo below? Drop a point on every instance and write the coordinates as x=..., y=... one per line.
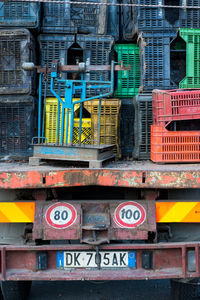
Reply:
x=174, y=105
x=174, y=146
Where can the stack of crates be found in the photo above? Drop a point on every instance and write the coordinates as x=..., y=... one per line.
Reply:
x=127, y=87
x=85, y=33
x=175, y=134
x=17, y=87
x=159, y=45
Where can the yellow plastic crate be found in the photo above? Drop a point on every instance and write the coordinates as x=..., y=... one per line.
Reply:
x=51, y=124
x=110, y=122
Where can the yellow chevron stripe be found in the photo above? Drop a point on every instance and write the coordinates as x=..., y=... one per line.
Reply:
x=176, y=213
x=17, y=212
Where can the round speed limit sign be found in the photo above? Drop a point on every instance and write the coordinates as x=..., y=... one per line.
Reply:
x=129, y=214
x=61, y=215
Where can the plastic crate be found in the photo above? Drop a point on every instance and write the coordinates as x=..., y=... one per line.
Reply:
x=51, y=109
x=54, y=48
x=17, y=125
x=96, y=51
x=127, y=117
x=174, y=105
x=16, y=47
x=128, y=81
x=155, y=60
x=174, y=146
x=190, y=18
x=127, y=20
x=156, y=18
x=19, y=14
x=142, y=126
x=110, y=118
x=75, y=18
x=192, y=38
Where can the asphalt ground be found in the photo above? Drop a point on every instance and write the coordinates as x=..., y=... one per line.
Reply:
x=109, y=290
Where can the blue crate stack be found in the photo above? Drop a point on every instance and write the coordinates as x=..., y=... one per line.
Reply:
x=157, y=31
x=19, y=22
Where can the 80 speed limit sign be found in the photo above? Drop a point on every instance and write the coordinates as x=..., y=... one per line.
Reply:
x=129, y=214
x=61, y=215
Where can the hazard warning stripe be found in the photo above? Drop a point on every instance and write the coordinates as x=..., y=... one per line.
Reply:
x=181, y=212
x=17, y=212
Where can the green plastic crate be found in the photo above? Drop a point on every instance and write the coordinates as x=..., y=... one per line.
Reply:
x=128, y=81
x=192, y=39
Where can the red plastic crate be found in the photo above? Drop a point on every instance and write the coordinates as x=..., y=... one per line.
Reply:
x=174, y=105
x=174, y=146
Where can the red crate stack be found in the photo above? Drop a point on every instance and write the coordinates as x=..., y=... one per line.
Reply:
x=175, y=146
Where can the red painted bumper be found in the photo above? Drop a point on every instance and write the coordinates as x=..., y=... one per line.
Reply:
x=169, y=261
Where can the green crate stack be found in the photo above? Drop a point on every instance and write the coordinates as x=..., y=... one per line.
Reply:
x=128, y=81
x=192, y=39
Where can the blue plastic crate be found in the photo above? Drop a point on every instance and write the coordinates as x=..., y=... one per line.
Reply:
x=190, y=18
x=80, y=18
x=155, y=60
x=54, y=47
x=142, y=126
x=127, y=127
x=17, y=125
x=16, y=47
x=147, y=18
x=19, y=14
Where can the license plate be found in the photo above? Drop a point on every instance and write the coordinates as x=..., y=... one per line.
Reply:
x=87, y=259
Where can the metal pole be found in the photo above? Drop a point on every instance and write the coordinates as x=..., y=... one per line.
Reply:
x=99, y=123
x=39, y=106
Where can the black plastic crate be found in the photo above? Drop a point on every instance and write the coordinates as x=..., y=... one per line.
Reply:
x=127, y=20
x=17, y=125
x=16, y=47
x=150, y=18
x=54, y=48
x=19, y=14
x=75, y=18
x=155, y=60
x=142, y=126
x=127, y=127
x=97, y=50
x=190, y=18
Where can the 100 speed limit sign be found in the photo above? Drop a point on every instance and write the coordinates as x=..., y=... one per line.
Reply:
x=129, y=214
x=61, y=215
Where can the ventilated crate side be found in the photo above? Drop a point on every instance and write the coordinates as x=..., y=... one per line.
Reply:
x=54, y=48
x=190, y=18
x=16, y=47
x=75, y=18
x=142, y=126
x=128, y=81
x=174, y=146
x=17, y=125
x=127, y=117
x=96, y=51
x=110, y=118
x=192, y=39
x=156, y=18
x=175, y=105
x=155, y=60
x=51, y=115
x=19, y=14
